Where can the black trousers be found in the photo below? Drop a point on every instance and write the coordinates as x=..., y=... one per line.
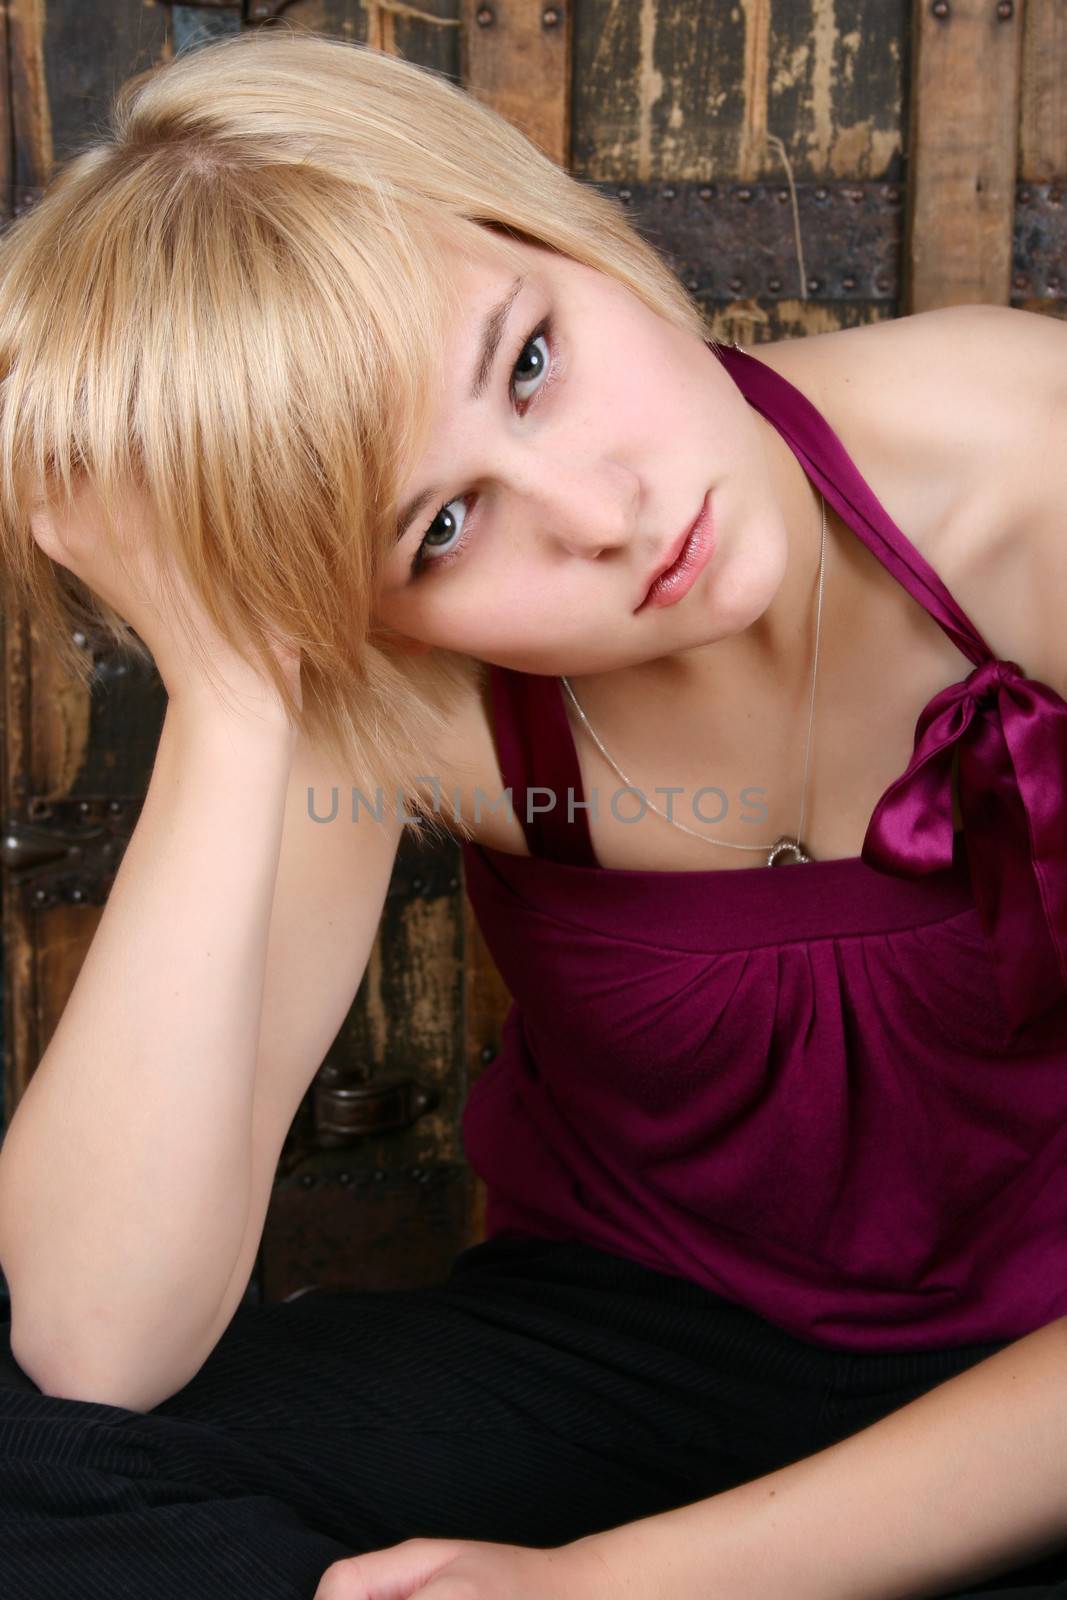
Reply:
x=545, y=1391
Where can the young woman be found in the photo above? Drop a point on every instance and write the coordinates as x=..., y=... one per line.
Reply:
x=413, y=467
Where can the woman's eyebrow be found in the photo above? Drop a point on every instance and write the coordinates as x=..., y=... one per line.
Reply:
x=493, y=328
x=492, y=333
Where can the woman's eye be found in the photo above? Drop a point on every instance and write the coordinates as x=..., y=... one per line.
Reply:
x=525, y=371
x=446, y=530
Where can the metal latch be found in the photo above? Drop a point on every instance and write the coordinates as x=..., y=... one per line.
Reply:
x=347, y=1109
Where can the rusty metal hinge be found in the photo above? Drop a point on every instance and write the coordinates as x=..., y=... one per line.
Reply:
x=68, y=850
x=346, y=1109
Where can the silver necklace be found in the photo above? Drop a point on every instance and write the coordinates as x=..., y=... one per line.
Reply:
x=785, y=851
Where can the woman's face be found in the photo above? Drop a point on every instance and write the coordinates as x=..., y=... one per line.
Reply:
x=548, y=499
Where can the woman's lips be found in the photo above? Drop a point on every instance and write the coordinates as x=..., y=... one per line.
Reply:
x=679, y=578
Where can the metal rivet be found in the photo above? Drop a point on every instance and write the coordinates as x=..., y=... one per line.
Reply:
x=782, y=196
x=344, y=1178
x=1055, y=197
x=77, y=895
x=892, y=194
x=484, y=17
x=848, y=283
x=416, y=884
x=814, y=285
x=940, y=9
x=79, y=638
x=1054, y=285
x=882, y=285
x=822, y=194
x=550, y=17
x=487, y=1052
x=307, y=1180
x=736, y=285
x=692, y=284
x=669, y=191
x=744, y=195
x=1005, y=10
x=1023, y=196
x=378, y=1175
x=705, y=193
x=774, y=284
x=625, y=194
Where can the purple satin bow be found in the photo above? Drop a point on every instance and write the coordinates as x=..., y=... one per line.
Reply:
x=1010, y=736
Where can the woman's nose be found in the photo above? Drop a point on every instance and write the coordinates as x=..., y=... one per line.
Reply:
x=586, y=513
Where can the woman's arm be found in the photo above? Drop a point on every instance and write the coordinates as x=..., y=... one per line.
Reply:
x=124, y=1175
x=964, y=1483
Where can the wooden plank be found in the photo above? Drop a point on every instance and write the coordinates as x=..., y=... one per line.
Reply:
x=427, y=32
x=1043, y=117
x=964, y=143
x=31, y=119
x=516, y=57
x=87, y=58
x=684, y=90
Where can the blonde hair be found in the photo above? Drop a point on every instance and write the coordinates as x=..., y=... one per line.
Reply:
x=236, y=302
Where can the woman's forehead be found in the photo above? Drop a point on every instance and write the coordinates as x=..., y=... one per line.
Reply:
x=484, y=256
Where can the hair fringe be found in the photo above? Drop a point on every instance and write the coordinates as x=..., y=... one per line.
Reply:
x=233, y=305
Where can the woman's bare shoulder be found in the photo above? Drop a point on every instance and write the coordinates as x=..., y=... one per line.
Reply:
x=956, y=419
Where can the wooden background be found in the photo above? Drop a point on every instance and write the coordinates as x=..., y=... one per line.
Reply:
x=806, y=165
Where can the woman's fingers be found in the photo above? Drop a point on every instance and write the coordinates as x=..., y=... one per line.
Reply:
x=391, y=1574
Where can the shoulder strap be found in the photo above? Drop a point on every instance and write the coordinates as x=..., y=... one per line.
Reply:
x=830, y=467
x=539, y=764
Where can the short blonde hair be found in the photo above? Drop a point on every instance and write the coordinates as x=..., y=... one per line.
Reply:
x=236, y=301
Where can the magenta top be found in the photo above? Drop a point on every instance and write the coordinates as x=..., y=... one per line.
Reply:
x=835, y=1093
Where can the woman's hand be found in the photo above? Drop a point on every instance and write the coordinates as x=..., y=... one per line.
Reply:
x=158, y=605
x=461, y=1569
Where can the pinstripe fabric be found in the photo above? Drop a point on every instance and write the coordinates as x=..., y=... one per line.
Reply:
x=544, y=1391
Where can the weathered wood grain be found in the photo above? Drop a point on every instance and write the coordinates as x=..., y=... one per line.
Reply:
x=964, y=143
x=1043, y=118
x=516, y=58
x=692, y=91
